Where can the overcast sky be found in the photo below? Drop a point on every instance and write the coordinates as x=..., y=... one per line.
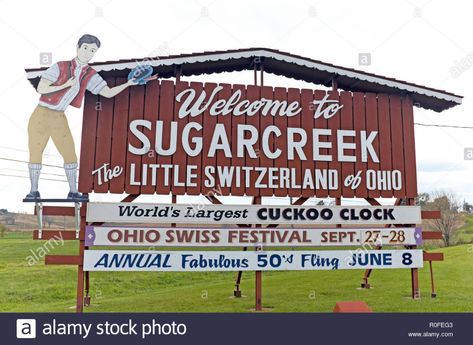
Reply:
x=425, y=42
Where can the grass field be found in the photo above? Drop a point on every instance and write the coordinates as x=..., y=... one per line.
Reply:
x=465, y=233
x=41, y=288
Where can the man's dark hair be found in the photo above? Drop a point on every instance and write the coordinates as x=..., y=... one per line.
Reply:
x=89, y=39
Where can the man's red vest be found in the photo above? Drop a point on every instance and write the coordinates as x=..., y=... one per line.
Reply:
x=66, y=71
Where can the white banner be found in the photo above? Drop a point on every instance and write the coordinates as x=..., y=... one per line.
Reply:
x=191, y=261
x=250, y=214
x=240, y=237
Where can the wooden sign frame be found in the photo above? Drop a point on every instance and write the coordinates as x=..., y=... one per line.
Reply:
x=102, y=130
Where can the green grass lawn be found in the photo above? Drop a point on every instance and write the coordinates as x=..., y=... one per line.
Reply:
x=41, y=288
x=465, y=233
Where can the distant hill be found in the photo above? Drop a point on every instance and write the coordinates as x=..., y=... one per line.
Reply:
x=27, y=222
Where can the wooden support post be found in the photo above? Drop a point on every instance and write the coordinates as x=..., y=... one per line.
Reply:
x=81, y=235
x=338, y=202
x=83, y=278
x=87, y=289
x=261, y=75
x=433, y=294
x=173, y=200
x=334, y=84
x=415, y=283
x=130, y=197
x=237, y=291
x=177, y=73
x=258, y=291
x=414, y=271
x=365, y=284
x=80, y=268
x=258, y=274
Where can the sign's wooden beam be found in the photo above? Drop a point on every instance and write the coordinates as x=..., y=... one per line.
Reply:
x=431, y=235
x=63, y=260
x=431, y=214
x=57, y=211
x=433, y=256
x=66, y=235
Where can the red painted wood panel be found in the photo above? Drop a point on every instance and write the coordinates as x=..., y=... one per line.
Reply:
x=209, y=123
x=237, y=161
x=166, y=111
x=294, y=95
x=265, y=122
x=197, y=160
x=63, y=260
x=223, y=161
x=66, y=235
x=151, y=108
x=346, y=123
x=397, y=140
x=119, y=137
x=384, y=138
x=433, y=256
x=137, y=95
x=104, y=137
x=253, y=94
x=371, y=105
x=179, y=159
x=280, y=94
x=359, y=123
x=307, y=123
x=409, y=147
x=391, y=116
x=88, y=147
x=432, y=235
x=57, y=211
x=334, y=124
x=321, y=123
x=431, y=214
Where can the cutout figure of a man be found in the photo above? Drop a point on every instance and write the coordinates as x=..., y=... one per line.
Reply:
x=61, y=85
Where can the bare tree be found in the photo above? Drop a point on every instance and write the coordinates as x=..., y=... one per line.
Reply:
x=422, y=199
x=449, y=206
x=467, y=207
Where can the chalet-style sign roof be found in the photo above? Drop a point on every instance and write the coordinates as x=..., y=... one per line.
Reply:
x=278, y=63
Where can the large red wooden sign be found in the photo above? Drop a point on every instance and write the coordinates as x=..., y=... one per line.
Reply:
x=195, y=138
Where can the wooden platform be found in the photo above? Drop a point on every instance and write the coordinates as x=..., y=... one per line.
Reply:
x=55, y=200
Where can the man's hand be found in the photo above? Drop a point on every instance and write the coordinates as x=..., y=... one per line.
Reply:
x=112, y=92
x=45, y=86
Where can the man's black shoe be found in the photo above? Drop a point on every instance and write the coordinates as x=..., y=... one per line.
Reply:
x=77, y=196
x=33, y=195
